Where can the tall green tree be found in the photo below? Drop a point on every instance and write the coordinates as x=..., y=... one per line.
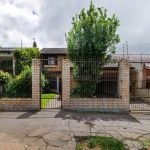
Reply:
x=92, y=37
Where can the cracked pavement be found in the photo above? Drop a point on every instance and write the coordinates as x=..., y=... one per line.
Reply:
x=55, y=129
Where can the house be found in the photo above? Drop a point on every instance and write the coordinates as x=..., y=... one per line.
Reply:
x=139, y=76
x=51, y=63
x=7, y=61
x=108, y=85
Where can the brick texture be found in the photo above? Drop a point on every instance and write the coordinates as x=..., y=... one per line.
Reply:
x=33, y=103
x=36, y=81
x=116, y=105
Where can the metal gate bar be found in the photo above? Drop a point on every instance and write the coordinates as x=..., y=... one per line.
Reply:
x=140, y=86
x=51, y=83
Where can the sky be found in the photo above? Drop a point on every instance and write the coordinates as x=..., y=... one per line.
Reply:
x=48, y=20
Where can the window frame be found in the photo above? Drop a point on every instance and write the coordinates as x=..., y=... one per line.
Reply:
x=47, y=56
x=51, y=60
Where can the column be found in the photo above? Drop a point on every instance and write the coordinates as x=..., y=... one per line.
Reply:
x=36, y=83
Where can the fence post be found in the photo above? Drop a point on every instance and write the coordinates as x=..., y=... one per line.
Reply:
x=36, y=83
x=65, y=81
x=124, y=82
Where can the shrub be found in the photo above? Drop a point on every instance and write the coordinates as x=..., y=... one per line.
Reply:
x=24, y=58
x=5, y=77
x=82, y=89
x=21, y=85
x=91, y=142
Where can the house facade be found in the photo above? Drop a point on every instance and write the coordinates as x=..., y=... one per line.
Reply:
x=108, y=85
x=51, y=59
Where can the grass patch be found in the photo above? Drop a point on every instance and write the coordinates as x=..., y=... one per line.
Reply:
x=46, y=98
x=99, y=143
x=146, y=143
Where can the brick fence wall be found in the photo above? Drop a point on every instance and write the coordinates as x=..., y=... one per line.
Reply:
x=33, y=103
x=117, y=105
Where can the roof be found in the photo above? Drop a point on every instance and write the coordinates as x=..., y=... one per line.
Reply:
x=53, y=51
x=134, y=57
x=131, y=57
x=6, y=49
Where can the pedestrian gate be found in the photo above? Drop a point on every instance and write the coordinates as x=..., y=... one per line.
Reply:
x=51, y=83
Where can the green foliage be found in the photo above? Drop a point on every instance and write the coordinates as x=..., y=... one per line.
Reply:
x=84, y=88
x=91, y=142
x=146, y=143
x=79, y=147
x=5, y=77
x=47, y=82
x=24, y=58
x=21, y=85
x=92, y=34
x=93, y=37
x=106, y=143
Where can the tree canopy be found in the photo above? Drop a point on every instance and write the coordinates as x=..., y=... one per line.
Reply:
x=93, y=34
x=92, y=37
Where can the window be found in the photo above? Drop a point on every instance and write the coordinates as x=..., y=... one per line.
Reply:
x=148, y=84
x=51, y=60
x=6, y=63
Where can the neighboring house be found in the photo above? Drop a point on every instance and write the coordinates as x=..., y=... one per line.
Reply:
x=139, y=64
x=51, y=62
x=139, y=75
x=7, y=61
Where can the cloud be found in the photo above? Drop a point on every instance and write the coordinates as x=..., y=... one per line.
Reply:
x=17, y=22
x=48, y=20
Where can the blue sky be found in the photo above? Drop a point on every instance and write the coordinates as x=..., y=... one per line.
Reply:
x=48, y=20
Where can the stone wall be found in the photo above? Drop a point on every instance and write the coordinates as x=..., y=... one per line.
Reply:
x=33, y=103
x=116, y=105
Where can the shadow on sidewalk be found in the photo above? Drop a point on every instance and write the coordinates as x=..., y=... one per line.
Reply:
x=78, y=116
x=86, y=117
x=93, y=116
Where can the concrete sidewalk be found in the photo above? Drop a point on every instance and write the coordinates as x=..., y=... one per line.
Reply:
x=55, y=129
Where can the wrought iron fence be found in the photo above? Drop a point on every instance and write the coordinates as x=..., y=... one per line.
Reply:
x=94, y=79
x=140, y=85
x=51, y=92
x=14, y=85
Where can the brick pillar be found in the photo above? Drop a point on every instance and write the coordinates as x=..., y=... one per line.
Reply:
x=65, y=80
x=119, y=81
x=124, y=82
x=36, y=81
